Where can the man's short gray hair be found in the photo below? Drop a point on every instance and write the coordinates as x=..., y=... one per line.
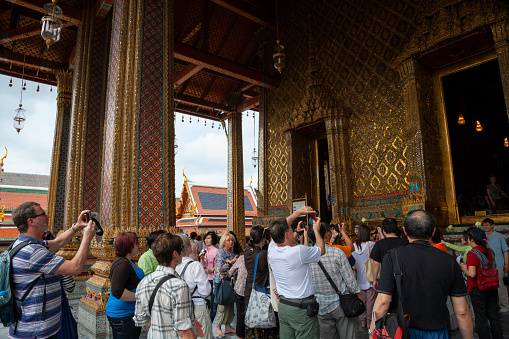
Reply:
x=185, y=241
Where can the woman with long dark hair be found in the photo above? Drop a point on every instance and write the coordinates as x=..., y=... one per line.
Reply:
x=257, y=245
x=361, y=255
x=485, y=303
x=124, y=278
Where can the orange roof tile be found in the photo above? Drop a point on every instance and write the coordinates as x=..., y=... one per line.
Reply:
x=11, y=200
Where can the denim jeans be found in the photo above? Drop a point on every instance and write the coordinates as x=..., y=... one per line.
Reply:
x=486, y=308
x=123, y=328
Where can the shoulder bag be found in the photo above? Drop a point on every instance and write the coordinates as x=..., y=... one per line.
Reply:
x=351, y=305
x=487, y=276
x=368, y=267
x=393, y=325
x=260, y=313
x=224, y=293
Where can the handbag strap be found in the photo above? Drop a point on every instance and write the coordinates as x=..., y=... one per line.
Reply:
x=154, y=293
x=329, y=278
x=256, y=267
x=398, y=275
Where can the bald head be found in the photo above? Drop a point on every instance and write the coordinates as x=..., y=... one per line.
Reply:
x=419, y=224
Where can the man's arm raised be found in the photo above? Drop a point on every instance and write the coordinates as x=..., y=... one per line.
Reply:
x=64, y=238
x=75, y=266
x=301, y=211
x=319, y=240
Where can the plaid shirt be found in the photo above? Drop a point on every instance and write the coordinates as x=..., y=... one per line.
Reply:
x=335, y=262
x=173, y=306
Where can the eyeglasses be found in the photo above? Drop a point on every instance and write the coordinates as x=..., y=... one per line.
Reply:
x=38, y=215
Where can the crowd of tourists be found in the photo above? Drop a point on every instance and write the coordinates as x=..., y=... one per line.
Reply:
x=291, y=281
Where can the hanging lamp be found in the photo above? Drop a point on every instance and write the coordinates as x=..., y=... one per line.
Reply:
x=19, y=118
x=254, y=155
x=506, y=142
x=461, y=120
x=51, y=24
x=279, y=50
x=478, y=126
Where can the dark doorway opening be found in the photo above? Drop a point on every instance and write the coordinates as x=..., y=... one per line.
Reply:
x=477, y=94
x=324, y=180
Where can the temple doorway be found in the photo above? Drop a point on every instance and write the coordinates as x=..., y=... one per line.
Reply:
x=477, y=124
x=324, y=183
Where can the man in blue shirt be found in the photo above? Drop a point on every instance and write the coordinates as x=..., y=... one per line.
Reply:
x=41, y=319
x=499, y=246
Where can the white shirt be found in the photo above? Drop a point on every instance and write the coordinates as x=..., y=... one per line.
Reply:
x=290, y=266
x=361, y=256
x=195, y=276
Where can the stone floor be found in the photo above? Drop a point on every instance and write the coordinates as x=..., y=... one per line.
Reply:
x=362, y=333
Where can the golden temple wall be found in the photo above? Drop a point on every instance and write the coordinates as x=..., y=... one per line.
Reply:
x=360, y=45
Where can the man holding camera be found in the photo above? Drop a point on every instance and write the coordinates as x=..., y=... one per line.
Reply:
x=35, y=264
x=290, y=267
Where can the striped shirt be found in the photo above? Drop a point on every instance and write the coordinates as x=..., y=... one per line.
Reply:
x=335, y=262
x=28, y=264
x=173, y=306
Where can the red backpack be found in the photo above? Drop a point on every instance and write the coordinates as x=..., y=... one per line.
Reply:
x=487, y=276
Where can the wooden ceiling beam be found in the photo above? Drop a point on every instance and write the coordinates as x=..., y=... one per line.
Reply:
x=18, y=74
x=189, y=100
x=70, y=14
x=216, y=63
x=186, y=73
x=248, y=11
x=102, y=8
x=248, y=104
x=30, y=61
x=23, y=32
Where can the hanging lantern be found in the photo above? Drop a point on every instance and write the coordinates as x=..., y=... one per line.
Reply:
x=254, y=158
x=478, y=126
x=51, y=24
x=19, y=119
x=461, y=120
x=279, y=56
x=506, y=142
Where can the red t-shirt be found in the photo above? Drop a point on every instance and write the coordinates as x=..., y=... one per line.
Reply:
x=472, y=260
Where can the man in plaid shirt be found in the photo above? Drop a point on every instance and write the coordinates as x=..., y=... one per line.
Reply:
x=331, y=317
x=172, y=314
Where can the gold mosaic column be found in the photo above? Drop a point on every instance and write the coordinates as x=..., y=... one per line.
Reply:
x=339, y=165
x=56, y=192
x=77, y=142
x=501, y=38
x=236, y=211
x=413, y=129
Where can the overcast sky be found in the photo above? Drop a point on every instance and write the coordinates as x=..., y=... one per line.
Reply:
x=202, y=149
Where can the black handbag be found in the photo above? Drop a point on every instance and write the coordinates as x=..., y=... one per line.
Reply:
x=351, y=305
x=394, y=325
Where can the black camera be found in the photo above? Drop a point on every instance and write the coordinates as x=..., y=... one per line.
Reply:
x=94, y=216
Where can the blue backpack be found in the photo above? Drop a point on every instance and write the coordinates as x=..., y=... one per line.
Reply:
x=10, y=307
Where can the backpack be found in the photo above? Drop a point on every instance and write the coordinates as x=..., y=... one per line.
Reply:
x=487, y=276
x=10, y=307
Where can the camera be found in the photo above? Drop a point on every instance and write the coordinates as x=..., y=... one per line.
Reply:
x=202, y=253
x=94, y=216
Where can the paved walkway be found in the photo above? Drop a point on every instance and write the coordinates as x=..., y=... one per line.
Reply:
x=362, y=333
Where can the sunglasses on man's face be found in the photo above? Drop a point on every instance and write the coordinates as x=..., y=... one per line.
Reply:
x=38, y=215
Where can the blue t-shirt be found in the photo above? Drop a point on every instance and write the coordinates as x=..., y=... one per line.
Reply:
x=116, y=308
x=499, y=246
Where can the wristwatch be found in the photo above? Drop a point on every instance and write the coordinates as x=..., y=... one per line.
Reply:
x=75, y=230
x=369, y=332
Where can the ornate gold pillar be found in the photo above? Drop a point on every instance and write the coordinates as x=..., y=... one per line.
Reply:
x=501, y=38
x=263, y=176
x=77, y=142
x=337, y=127
x=56, y=194
x=415, y=157
x=236, y=211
